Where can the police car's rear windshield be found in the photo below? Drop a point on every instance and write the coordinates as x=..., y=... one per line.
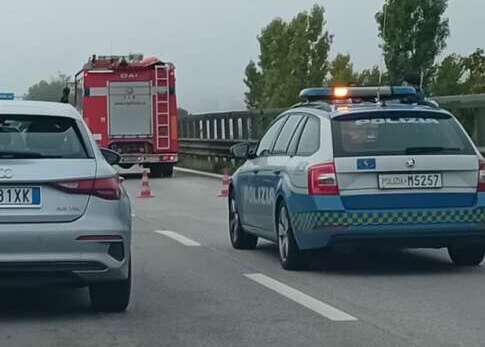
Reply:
x=398, y=133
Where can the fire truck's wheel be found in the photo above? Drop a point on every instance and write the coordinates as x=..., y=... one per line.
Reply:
x=167, y=170
x=156, y=171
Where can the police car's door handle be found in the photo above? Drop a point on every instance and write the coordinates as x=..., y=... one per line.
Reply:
x=277, y=172
x=255, y=172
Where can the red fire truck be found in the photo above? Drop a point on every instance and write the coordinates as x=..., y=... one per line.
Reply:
x=129, y=103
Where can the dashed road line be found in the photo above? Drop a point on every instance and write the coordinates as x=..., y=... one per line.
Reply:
x=179, y=238
x=199, y=173
x=297, y=296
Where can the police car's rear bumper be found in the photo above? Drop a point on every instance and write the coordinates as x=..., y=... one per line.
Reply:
x=422, y=236
x=403, y=228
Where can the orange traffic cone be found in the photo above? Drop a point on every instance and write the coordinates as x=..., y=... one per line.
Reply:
x=146, y=192
x=225, y=185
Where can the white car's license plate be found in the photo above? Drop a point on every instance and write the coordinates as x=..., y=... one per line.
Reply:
x=411, y=181
x=18, y=197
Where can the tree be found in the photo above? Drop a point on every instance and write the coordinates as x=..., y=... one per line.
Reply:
x=460, y=75
x=342, y=71
x=293, y=56
x=474, y=66
x=253, y=82
x=182, y=112
x=414, y=32
x=48, y=91
x=448, y=79
x=371, y=77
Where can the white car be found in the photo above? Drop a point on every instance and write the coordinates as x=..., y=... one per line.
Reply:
x=64, y=215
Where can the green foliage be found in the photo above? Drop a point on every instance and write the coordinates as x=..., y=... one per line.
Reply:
x=342, y=71
x=371, y=77
x=414, y=32
x=342, y=74
x=448, y=79
x=253, y=81
x=48, y=90
x=182, y=112
x=293, y=56
x=458, y=75
x=474, y=66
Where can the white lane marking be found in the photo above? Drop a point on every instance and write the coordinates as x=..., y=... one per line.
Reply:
x=313, y=304
x=199, y=173
x=179, y=238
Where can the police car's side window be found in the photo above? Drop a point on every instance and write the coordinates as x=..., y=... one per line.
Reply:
x=296, y=137
x=283, y=141
x=268, y=139
x=310, y=137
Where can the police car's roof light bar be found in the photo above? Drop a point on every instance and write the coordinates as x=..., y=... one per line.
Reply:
x=363, y=93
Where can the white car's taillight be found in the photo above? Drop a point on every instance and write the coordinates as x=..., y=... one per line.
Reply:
x=322, y=180
x=481, y=176
x=105, y=188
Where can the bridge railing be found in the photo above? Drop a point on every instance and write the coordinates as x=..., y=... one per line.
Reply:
x=470, y=110
x=205, y=139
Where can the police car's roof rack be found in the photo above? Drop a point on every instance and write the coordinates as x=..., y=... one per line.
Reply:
x=315, y=97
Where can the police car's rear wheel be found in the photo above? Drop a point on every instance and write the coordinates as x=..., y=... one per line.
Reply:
x=467, y=255
x=291, y=257
x=239, y=238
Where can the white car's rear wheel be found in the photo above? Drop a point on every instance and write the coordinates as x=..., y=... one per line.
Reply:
x=111, y=296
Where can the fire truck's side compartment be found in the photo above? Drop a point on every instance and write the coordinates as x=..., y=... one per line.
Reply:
x=130, y=109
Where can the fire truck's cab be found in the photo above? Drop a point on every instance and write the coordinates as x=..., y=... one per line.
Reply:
x=129, y=103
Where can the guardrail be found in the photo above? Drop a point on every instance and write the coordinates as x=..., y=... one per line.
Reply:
x=205, y=139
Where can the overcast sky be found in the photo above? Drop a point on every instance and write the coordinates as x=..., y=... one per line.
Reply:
x=210, y=41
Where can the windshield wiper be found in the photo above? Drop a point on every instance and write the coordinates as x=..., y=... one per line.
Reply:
x=26, y=155
x=431, y=150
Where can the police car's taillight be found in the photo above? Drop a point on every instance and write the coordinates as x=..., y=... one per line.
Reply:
x=322, y=180
x=481, y=177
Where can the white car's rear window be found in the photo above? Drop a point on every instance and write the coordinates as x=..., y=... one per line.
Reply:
x=398, y=133
x=40, y=137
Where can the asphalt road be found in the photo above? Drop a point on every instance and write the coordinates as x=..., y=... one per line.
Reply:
x=192, y=289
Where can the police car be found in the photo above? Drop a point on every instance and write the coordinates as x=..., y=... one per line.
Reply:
x=360, y=166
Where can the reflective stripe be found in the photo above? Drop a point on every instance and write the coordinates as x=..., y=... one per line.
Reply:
x=312, y=220
x=103, y=91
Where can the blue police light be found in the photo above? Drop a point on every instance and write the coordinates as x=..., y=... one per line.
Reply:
x=322, y=93
x=365, y=93
x=403, y=91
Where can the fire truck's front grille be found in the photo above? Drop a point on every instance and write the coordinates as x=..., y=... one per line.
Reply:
x=132, y=147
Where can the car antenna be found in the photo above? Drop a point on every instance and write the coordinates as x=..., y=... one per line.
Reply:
x=381, y=68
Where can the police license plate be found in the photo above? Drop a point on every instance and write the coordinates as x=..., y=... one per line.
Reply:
x=411, y=181
x=18, y=197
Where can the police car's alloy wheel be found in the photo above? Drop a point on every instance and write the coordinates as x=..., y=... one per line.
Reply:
x=291, y=257
x=467, y=255
x=239, y=238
